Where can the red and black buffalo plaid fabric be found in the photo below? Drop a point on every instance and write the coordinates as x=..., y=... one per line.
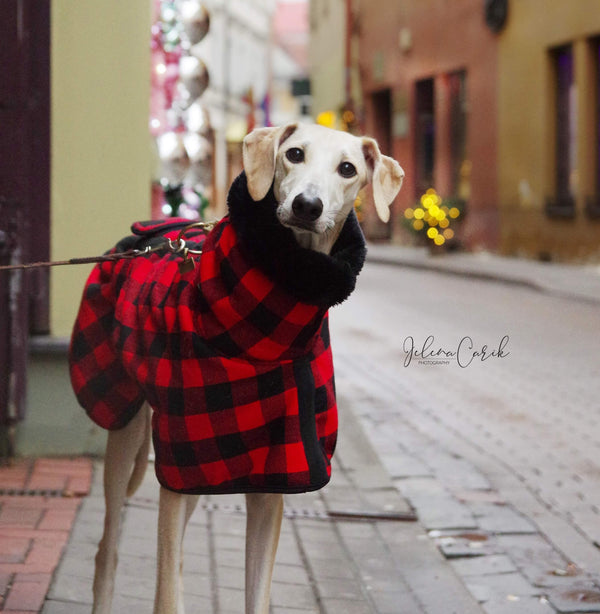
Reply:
x=233, y=357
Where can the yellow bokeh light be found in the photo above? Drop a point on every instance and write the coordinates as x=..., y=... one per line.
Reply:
x=432, y=233
x=439, y=240
x=444, y=223
x=419, y=213
x=409, y=213
x=430, y=199
x=418, y=224
x=348, y=116
x=448, y=233
x=327, y=119
x=454, y=213
x=432, y=221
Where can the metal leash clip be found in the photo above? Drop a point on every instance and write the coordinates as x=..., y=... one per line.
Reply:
x=179, y=247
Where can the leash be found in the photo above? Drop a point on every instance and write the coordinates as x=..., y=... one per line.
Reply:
x=174, y=247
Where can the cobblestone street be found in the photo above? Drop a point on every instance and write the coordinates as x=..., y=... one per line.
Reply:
x=500, y=458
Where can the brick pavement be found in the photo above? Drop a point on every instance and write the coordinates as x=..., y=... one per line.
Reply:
x=39, y=499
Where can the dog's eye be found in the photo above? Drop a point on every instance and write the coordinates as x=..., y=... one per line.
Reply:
x=295, y=155
x=347, y=170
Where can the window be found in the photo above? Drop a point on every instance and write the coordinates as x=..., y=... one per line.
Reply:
x=425, y=135
x=565, y=123
x=597, y=135
x=593, y=201
x=460, y=164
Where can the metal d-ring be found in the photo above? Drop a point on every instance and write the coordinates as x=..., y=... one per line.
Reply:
x=180, y=239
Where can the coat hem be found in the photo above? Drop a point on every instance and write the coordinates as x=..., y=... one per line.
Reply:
x=229, y=490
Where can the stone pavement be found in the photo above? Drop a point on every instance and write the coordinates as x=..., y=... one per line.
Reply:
x=520, y=528
x=39, y=500
x=501, y=553
x=471, y=550
x=328, y=562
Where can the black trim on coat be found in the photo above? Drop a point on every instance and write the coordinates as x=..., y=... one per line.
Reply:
x=311, y=277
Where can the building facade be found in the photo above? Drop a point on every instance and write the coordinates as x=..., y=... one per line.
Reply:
x=493, y=104
x=75, y=168
x=238, y=53
x=549, y=136
x=429, y=81
x=327, y=21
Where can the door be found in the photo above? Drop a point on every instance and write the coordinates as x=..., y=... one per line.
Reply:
x=24, y=189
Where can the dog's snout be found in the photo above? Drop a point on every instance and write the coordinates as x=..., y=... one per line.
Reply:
x=306, y=208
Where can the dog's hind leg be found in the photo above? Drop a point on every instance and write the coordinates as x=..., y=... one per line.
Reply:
x=125, y=460
x=174, y=512
x=263, y=526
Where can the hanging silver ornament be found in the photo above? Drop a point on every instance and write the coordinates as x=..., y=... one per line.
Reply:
x=193, y=76
x=195, y=20
x=200, y=153
x=173, y=156
x=197, y=119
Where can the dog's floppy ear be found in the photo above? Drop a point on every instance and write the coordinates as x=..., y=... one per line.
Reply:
x=259, y=153
x=385, y=174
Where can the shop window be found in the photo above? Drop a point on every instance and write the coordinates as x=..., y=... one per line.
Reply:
x=461, y=165
x=565, y=125
x=425, y=134
x=593, y=202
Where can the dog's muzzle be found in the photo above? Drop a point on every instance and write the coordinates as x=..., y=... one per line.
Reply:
x=306, y=209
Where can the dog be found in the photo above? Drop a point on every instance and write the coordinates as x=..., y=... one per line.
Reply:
x=233, y=354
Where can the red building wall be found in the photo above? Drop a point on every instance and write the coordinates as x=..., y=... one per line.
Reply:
x=407, y=41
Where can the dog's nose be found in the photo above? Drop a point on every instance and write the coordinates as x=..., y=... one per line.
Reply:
x=307, y=209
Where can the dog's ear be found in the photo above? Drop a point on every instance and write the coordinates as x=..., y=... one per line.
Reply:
x=385, y=174
x=259, y=152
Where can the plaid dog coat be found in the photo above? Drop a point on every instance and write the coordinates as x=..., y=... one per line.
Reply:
x=234, y=356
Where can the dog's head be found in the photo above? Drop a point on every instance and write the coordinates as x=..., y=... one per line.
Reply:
x=317, y=173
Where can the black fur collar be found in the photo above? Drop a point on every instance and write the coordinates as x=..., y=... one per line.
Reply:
x=311, y=277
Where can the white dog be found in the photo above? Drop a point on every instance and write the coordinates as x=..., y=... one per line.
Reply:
x=314, y=175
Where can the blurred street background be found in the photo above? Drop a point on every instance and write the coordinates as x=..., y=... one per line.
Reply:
x=113, y=112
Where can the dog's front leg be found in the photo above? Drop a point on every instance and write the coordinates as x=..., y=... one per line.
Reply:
x=174, y=512
x=263, y=526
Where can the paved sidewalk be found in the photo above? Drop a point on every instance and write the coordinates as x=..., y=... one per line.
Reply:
x=39, y=500
x=469, y=552
x=438, y=432
x=581, y=282
x=326, y=563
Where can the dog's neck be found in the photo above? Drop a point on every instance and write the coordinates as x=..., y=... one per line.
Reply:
x=322, y=243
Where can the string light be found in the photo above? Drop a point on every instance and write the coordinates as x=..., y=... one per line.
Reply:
x=431, y=214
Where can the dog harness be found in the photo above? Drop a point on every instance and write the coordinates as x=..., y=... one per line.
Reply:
x=233, y=356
